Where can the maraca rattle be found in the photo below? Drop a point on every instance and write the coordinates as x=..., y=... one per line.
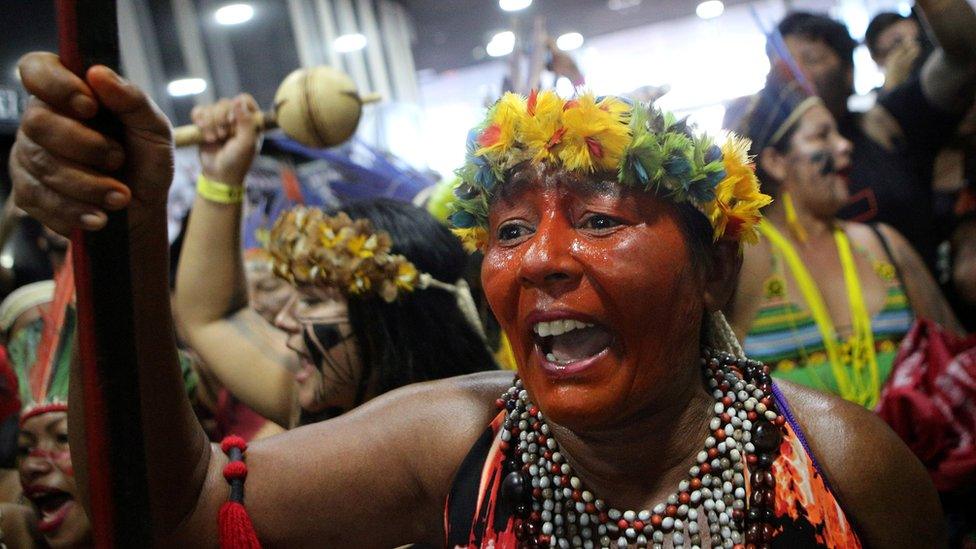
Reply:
x=318, y=107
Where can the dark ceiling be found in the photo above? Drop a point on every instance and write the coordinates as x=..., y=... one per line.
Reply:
x=447, y=34
x=449, y=31
x=25, y=25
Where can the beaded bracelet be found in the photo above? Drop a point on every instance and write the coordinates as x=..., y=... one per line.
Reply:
x=234, y=524
x=221, y=193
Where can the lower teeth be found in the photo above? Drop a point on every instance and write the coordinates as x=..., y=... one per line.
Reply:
x=552, y=358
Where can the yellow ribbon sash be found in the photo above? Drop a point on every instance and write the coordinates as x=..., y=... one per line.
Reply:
x=860, y=388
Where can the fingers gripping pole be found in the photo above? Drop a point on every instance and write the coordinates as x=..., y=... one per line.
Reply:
x=119, y=500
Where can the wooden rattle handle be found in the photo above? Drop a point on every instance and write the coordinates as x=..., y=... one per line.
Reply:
x=185, y=136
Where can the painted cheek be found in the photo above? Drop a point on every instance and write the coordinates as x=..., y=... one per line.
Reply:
x=499, y=278
x=62, y=460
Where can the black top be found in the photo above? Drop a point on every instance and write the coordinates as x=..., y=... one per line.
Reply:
x=895, y=186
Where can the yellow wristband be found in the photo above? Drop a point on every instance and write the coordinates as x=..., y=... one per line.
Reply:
x=221, y=193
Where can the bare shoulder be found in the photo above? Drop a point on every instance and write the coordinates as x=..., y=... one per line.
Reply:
x=756, y=259
x=894, y=238
x=864, y=235
x=462, y=401
x=883, y=488
x=472, y=394
x=756, y=268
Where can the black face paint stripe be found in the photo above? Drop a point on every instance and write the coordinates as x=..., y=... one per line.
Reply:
x=825, y=160
x=319, y=339
x=315, y=350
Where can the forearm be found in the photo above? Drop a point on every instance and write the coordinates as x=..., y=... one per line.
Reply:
x=953, y=26
x=210, y=283
x=242, y=350
x=176, y=448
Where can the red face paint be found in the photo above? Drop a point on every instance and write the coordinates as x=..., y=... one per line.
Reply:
x=613, y=257
x=59, y=458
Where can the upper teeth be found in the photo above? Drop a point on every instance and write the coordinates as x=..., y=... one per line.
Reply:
x=558, y=327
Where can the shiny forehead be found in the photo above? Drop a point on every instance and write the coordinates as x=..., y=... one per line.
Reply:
x=539, y=177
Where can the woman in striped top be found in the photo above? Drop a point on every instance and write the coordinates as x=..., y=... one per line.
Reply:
x=823, y=302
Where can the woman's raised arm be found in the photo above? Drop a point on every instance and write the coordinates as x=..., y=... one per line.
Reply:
x=245, y=353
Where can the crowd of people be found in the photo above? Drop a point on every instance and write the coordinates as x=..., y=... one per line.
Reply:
x=711, y=336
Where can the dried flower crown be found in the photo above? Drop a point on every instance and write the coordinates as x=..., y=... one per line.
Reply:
x=310, y=248
x=643, y=146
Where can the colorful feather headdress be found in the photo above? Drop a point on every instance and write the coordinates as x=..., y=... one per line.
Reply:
x=637, y=143
x=40, y=352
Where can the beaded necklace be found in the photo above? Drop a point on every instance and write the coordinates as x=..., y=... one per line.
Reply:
x=553, y=508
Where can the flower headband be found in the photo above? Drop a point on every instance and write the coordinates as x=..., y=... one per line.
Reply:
x=645, y=147
x=310, y=248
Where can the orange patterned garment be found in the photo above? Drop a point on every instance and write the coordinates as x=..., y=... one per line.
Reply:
x=807, y=513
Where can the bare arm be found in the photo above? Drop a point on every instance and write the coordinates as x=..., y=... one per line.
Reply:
x=923, y=293
x=247, y=355
x=375, y=477
x=884, y=490
x=950, y=70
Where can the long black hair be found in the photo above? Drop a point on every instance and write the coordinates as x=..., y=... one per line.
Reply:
x=422, y=335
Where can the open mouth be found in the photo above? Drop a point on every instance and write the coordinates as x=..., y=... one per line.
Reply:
x=568, y=341
x=305, y=370
x=53, y=506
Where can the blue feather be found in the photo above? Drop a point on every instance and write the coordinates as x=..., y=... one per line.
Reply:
x=462, y=220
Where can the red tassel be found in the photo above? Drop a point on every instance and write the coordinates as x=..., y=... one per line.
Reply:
x=236, y=530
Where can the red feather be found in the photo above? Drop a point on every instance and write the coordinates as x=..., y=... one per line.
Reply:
x=490, y=136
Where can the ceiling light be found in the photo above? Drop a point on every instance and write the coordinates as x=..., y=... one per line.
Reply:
x=617, y=5
x=514, y=5
x=569, y=41
x=565, y=88
x=349, y=42
x=501, y=44
x=710, y=9
x=186, y=86
x=234, y=14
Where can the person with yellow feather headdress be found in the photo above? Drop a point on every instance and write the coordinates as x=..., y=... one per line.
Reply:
x=634, y=418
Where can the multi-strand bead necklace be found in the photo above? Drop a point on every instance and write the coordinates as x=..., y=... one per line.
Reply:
x=553, y=507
